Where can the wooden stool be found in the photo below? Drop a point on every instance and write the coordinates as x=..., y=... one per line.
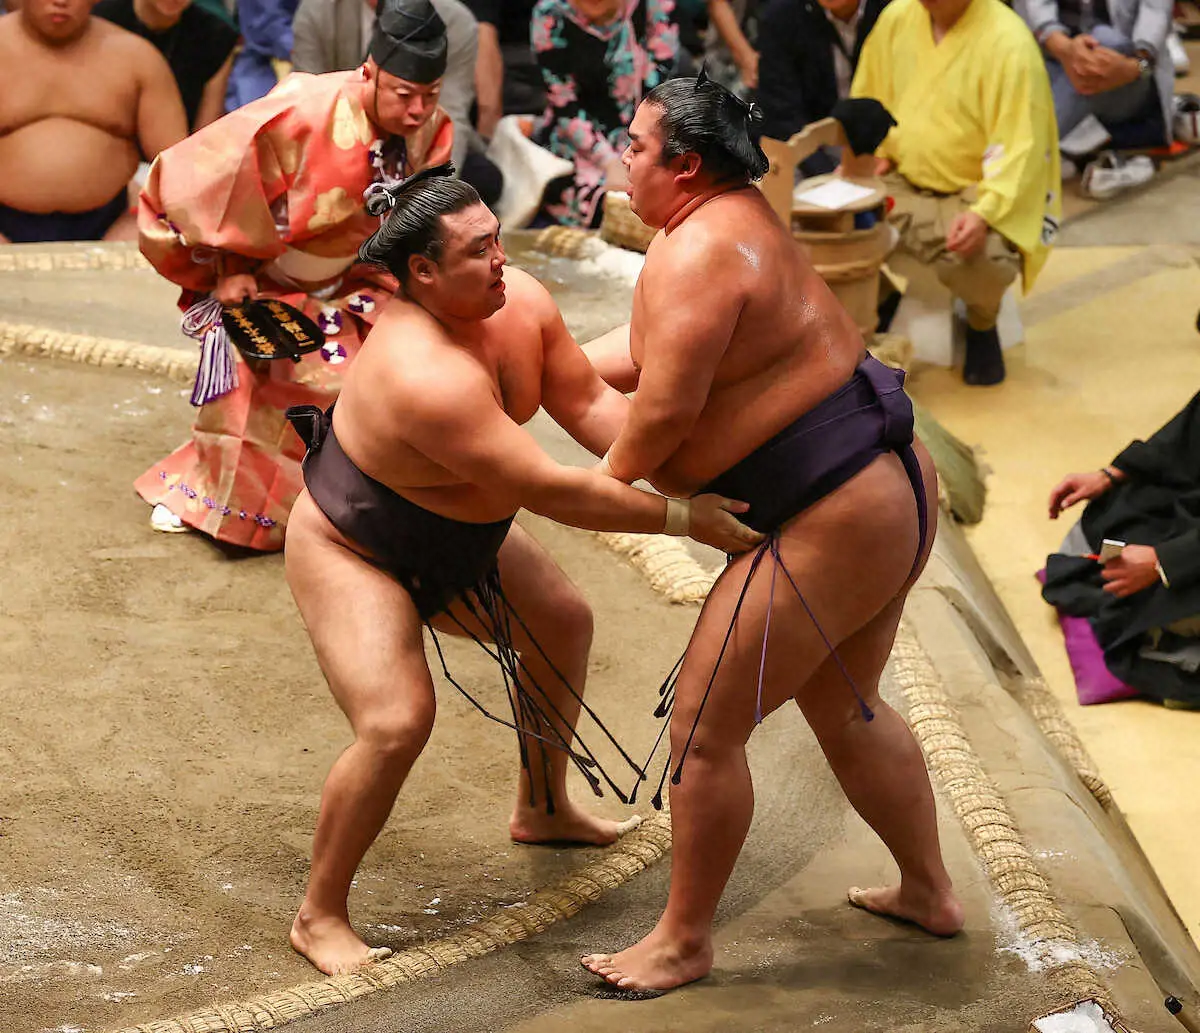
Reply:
x=847, y=258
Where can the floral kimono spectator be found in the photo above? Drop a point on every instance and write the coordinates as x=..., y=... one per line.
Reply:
x=598, y=59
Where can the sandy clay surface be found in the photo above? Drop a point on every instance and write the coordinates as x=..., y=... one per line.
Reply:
x=167, y=731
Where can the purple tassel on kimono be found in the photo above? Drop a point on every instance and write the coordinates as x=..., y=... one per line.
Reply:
x=216, y=374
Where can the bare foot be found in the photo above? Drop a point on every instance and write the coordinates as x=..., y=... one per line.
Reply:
x=332, y=945
x=567, y=824
x=940, y=914
x=658, y=962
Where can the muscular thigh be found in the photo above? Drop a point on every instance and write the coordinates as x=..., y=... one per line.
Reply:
x=363, y=624
x=850, y=556
x=542, y=595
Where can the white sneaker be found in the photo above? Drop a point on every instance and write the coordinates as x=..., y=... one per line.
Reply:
x=162, y=519
x=1108, y=175
x=1178, y=54
x=1069, y=169
x=1187, y=118
x=1086, y=138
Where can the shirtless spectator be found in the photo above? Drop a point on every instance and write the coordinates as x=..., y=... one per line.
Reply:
x=197, y=45
x=81, y=102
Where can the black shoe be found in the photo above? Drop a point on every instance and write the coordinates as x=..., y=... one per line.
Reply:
x=886, y=312
x=984, y=364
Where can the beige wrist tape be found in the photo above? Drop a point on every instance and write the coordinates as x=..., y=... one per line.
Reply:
x=679, y=517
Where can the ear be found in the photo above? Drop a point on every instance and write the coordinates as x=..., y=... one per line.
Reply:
x=687, y=168
x=421, y=269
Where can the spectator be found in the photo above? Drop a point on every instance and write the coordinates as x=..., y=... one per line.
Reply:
x=809, y=51
x=80, y=101
x=332, y=36
x=973, y=163
x=1144, y=604
x=598, y=59
x=729, y=55
x=1111, y=73
x=507, y=78
x=197, y=45
x=266, y=52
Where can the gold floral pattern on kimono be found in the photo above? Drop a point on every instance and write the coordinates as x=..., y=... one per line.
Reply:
x=302, y=151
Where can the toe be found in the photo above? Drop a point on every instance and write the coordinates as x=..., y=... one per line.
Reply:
x=629, y=824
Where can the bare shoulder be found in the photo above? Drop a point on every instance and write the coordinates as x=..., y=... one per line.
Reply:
x=714, y=246
x=411, y=361
x=15, y=45
x=138, y=55
x=527, y=299
x=524, y=288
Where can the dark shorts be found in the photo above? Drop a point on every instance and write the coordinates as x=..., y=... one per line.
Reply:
x=807, y=460
x=440, y=561
x=48, y=227
x=818, y=453
x=436, y=559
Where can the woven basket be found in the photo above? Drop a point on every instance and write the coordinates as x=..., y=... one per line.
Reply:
x=621, y=227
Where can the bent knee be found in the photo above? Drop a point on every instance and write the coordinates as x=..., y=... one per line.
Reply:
x=705, y=735
x=570, y=620
x=398, y=733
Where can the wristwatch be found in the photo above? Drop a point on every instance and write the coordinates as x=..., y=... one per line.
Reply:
x=1145, y=64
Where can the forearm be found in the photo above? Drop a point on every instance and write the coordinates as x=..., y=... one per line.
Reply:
x=600, y=424
x=587, y=499
x=726, y=24
x=212, y=100
x=1055, y=42
x=489, y=80
x=646, y=443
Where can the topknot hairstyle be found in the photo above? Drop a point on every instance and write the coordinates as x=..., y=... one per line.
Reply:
x=701, y=116
x=413, y=222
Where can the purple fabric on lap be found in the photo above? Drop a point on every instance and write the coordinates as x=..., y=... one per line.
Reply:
x=1094, y=682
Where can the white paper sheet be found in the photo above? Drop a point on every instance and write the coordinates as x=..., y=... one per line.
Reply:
x=833, y=194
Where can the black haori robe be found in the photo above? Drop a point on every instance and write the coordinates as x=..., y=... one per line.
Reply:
x=1158, y=505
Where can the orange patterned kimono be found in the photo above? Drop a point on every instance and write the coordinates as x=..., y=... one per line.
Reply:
x=274, y=189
